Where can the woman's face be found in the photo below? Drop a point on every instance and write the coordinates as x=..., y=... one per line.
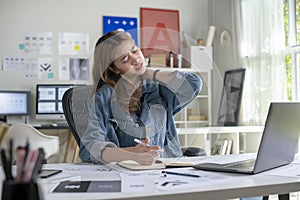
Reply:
x=129, y=59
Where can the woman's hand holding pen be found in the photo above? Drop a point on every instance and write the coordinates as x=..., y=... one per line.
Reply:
x=145, y=158
x=142, y=153
x=144, y=147
x=146, y=154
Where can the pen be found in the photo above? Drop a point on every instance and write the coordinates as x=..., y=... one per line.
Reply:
x=140, y=142
x=181, y=174
x=38, y=164
x=11, y=144
x=24, y=164
x=19, y=162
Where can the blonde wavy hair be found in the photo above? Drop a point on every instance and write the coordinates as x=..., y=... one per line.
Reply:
x=103, y=69
x=104, y=58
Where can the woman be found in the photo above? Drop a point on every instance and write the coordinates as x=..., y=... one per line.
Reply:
x=132, y=102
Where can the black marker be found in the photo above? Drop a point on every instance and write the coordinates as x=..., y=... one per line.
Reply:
x=6, y=165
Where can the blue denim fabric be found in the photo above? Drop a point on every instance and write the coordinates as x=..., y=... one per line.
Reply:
x=109, y=125
x=251, y=198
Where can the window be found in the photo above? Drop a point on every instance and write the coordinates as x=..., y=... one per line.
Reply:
x=263, y=54
x=292, y=38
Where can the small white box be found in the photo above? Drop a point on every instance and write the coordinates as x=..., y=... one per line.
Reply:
x=199, y=57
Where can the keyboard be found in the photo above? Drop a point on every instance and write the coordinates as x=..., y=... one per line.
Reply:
x=247, y=164
x=62, y=124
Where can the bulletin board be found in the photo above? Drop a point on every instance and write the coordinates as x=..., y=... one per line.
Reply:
x=160, y=31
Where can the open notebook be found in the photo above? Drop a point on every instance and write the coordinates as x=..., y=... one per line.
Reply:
x=278, y=143
x=161, y=163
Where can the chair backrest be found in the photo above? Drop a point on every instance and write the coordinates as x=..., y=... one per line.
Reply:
x=75, y=106
x=21, y=133
x=229, y=107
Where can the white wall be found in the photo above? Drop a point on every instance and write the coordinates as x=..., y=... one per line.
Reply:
x=21, y=16
x=221, y=15
x=17, y=17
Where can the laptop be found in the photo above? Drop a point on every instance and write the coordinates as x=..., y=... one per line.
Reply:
x=278, y=144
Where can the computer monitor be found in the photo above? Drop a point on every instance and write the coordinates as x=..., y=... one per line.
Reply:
x=49, y=101
x=14, y=103
x=230, y=103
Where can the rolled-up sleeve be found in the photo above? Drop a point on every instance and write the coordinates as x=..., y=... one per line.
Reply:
x=95, y=138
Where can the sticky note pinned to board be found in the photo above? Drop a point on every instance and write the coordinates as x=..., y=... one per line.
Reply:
x=50, y=75
x=77, y=47
x=22, y=46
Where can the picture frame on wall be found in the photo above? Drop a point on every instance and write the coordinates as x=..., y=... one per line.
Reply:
x=160, y=31
x=127, y=24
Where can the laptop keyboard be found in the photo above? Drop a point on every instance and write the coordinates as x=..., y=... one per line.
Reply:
x=247, y=164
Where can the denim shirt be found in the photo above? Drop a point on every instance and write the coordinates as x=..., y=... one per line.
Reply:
x=110, y=126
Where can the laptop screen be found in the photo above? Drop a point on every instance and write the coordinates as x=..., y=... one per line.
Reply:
x=280, y=138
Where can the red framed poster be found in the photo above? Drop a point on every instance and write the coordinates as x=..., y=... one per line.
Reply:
x=160, y=32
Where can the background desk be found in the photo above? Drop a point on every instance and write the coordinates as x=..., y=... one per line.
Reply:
x=234, y=187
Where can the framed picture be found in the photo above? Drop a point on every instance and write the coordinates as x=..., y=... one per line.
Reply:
x=128, y=24
x=160, y=32
x=220, y=147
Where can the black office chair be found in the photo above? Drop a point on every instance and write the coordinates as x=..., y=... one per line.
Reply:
x=74, y=103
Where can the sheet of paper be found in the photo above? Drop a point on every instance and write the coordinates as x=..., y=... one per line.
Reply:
x=183, y=160
x=173, y=182
x=40, y=43
x=64, y=69
x=137, y=183
x=14, y=62
x=73, y=43
x=291, y=170
x=223, y=159
x=74, y=69
x=141, y=181
x=79, y=69
x=45, y=68
x=31, y=71
x=178, y=182
x=60, y=178
x=88, y=186
x=82, y=169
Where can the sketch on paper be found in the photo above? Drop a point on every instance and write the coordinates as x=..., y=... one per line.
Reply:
x=73, y=44
x=74, y=69
x=39, y=43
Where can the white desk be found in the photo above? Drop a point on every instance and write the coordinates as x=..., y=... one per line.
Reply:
x=249, y=187
x=233, y=187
